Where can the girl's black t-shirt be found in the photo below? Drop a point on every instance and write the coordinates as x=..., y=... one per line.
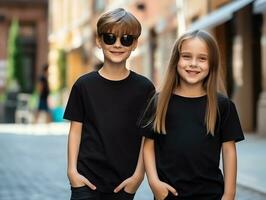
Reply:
x=111, y=138
x=186, y=156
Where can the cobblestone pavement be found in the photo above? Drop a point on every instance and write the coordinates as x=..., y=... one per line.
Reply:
x=34, y=168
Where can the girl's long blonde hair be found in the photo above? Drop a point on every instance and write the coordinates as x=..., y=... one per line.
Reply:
x=171, y=80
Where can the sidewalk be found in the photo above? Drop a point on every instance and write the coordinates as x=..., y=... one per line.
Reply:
x=251, y=151
x=252, y=162
x=36, y=129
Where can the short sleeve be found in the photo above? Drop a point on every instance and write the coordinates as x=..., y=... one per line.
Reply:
x=230, y=128
x=74, y=109
x=146, y=121
x=148, y=132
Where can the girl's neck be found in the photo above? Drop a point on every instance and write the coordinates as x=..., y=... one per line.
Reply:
x=187, y=91
x=115, y=73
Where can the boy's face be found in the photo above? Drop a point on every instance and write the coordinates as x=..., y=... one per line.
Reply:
x=116, y=48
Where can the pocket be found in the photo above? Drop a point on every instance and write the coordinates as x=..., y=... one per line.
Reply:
x=167, y=196
x=127, y=195
x=128, y=192
x=82, y=193
x=79, y=187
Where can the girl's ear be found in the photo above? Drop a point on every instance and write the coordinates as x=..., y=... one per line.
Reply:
x=98, y=42
x=134, y=45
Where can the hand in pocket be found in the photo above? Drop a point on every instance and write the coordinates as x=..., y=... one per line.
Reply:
x=77, y=180
x=161, y=190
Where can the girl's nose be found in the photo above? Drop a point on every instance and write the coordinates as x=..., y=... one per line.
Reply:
x=193, y=63
x=193, y=66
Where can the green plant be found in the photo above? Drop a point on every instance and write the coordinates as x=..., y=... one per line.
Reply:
x=2, y=97
x=14, y=57
x=62, y=68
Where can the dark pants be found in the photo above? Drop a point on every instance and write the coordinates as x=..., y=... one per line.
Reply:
x=85, y=193
x=170, y=196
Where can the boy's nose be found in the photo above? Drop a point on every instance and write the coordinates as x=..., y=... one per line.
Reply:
x=117, y=43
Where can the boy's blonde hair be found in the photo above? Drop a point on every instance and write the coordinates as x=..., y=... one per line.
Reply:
x=210, y=83
x=119, y=21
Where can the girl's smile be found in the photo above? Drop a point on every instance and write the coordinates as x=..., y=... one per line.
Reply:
x=193, y=66
x=192, y=72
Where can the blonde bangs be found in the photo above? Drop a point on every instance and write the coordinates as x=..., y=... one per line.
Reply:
x=121, y=28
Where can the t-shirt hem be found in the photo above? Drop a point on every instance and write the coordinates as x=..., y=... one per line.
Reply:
x=233, y=139
x=152, y=138
x=73, y=119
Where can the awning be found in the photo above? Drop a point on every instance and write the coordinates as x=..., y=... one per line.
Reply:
x=259, y=6
x=219, y=16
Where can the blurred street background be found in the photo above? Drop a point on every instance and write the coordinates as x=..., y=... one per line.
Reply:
x=60, y=34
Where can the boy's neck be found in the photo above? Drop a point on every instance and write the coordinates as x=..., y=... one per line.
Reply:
x=114, y=72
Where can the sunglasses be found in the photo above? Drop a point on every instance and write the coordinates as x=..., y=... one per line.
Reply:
x=125, y=40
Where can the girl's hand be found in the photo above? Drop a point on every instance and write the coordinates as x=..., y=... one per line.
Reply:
x=77, y=180
x=130, y=185
x=161, y=189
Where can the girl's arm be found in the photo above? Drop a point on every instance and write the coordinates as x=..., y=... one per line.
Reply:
x=159, y=188
x=229, y=169
x=149, y=161
x=132, y=183
x=74, y=138
x=139, y=172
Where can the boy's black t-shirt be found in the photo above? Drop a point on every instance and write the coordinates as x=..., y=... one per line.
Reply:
x=186, y=156
x=111, y=138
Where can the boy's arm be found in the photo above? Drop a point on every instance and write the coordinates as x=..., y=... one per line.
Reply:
x=132, y=183
x=159, y=188
x=74, y=137
x=229, y=169
x=73, y=145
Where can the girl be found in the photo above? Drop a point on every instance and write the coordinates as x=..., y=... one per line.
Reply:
x=191, y=125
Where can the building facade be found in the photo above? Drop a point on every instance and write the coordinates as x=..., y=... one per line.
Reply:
x=32, y=18
x=259, y=9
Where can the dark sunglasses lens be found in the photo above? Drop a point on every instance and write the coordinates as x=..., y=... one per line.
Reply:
x=109, y=39
x=127, y=40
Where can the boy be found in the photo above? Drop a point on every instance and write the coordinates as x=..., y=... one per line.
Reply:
x=104, y=145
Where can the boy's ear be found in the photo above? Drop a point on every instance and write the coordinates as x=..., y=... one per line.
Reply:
x=134, y=45
x=98, y=42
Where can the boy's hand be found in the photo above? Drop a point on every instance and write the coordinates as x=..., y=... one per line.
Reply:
x=77, y=180
x=130, y=185
x=161, y=189
x=228, y=197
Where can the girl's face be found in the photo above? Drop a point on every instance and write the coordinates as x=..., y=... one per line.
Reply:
x=116, y=48
x=193, y=64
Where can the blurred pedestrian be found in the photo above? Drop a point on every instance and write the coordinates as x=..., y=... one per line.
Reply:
x=192, y=124
x=104, y=144
x=43, y=94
